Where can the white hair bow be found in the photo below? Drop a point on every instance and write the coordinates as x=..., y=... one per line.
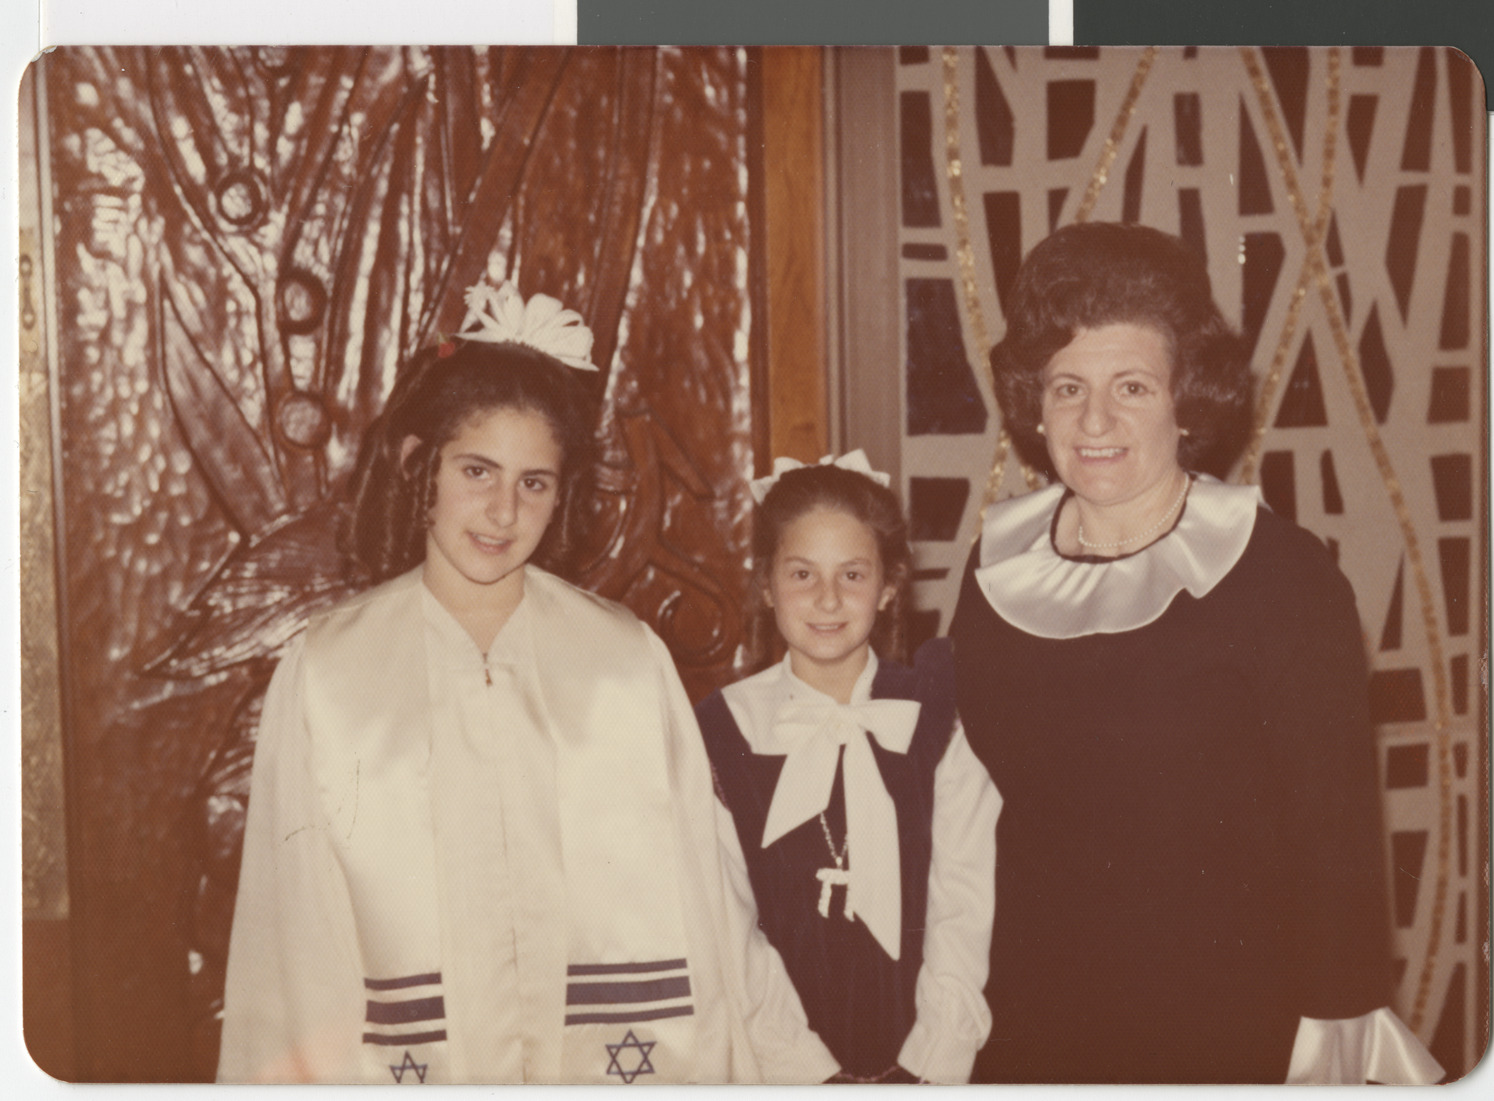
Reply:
x=851, y=460
x=501, y=316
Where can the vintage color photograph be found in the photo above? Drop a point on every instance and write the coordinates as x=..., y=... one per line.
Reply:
x=774, y=564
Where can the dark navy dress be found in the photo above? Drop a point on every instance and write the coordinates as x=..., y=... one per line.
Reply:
x=857, y=998
x=1189, y=851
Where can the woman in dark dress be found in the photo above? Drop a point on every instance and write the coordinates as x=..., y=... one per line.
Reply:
x=1168, y=684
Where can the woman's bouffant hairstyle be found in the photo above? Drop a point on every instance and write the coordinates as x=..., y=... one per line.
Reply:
x=1098, y=273
x=433, y=397
x=829, y=487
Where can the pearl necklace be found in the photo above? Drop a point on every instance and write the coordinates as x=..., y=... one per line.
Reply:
x=1178, y=500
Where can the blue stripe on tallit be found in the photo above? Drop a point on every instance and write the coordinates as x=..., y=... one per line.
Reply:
x=616, y=993
x=406, y=1039
x=623, y=968
x=387, y=1013
x=399, y=1013
x=630, y=1000
x=400, y=984
x=629, y=1017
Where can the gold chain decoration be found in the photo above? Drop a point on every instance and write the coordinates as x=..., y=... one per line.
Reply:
x=993, y=479
x=1267, y=395
x=1318, y=267
x=1313, y=234
x=1111, y=150
x=965, y=251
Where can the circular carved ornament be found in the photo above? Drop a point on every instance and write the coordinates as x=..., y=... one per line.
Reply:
x=241, y=198
x=302, y=421
x=301, y=300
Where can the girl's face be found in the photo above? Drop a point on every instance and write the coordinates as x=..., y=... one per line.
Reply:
x=496, y=490
x=825, y=587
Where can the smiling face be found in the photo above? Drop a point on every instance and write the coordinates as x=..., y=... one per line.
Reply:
x=826, y=586
x=1108, y=416
x=496, y=490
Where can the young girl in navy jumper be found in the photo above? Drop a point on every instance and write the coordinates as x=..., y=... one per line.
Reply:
x=866, y=824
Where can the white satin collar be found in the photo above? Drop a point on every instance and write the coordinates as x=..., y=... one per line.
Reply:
x=1038, y=590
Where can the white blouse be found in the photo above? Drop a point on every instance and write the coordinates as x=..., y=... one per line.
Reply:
x=953, y=1019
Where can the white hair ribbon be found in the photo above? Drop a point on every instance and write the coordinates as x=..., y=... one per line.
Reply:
x=851, y=460
x=501, y=316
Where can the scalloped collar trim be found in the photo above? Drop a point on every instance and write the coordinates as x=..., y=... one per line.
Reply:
x=1038, y=590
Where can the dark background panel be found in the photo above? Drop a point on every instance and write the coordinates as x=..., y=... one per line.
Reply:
x=1466, y=24
x=842, y=22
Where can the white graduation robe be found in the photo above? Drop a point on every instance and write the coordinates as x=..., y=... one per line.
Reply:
x=492, y=957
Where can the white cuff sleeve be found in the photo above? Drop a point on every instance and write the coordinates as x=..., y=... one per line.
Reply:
x=1377, y=1047
x=953, y=1018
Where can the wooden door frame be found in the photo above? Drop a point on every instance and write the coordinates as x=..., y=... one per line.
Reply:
x=827, y=366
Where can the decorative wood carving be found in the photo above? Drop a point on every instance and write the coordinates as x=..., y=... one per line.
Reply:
x=248, y=241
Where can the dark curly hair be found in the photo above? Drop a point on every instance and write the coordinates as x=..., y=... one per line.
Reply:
x=1098, y=273
x=433, y=397
x=830, y=487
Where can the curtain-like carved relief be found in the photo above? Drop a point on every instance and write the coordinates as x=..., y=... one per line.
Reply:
x=248, y=242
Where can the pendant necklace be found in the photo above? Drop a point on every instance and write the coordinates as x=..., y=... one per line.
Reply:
x=838, y=876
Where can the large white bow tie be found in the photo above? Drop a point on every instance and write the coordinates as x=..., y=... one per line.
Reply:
x=810, y=733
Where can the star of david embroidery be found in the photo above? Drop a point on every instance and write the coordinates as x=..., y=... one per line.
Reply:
x=408, y=1064
x=641, y=1046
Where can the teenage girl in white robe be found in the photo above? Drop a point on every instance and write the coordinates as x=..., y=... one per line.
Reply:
x=482, y=844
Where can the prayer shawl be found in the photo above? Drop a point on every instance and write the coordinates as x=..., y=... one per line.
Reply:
x=638, y=985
